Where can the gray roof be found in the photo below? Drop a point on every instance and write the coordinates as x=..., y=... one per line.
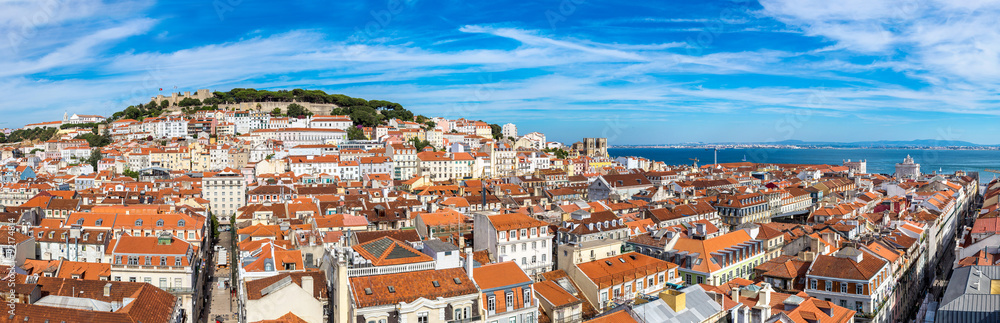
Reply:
x=968, y=298
x=698, y=307
x=440, y=246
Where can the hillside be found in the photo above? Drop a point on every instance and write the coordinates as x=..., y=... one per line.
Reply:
x=293, y=103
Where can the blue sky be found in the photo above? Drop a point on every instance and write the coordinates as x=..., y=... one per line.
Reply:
x=641, y=73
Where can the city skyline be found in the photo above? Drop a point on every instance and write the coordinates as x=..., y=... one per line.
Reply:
x=721, y=71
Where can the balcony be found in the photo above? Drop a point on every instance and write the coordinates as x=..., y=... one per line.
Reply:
x=475, y=318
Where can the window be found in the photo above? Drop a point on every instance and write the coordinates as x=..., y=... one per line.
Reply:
x=651, y=282
x=858, y=306
x=163, y=261
x=661, y=277
x=843, y=303
x=149, y=260
x=524, y=246
x=701, y=280
x=604, y=296
x=513, y=319
x=177, y=261
x=491, y=305
x=180, y=223
x=527, y=297
x=133, y=260
x=503, y=249
x=422, y=317
x=812, y=284
x=138, y=222
x=843, y=288
x=509, y=300
x=638, y=284
x=159, y=222
x=524, y=233
x=687, y=278
x=829, y=285
x=534, y=259
x=163, y=283
x=177, y=282
x=534, y=231
x=131, y=279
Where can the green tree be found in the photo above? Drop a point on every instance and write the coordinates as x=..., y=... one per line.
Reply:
x=95, y=157
x=560, y=153
x=215, y=225
x=420, y=144
x=189, y=102
x=164, y=104
x=355, y=133
x=95, y=140
x=276, y=112
x=497, y=131
x=296, y=110
x=130, y=173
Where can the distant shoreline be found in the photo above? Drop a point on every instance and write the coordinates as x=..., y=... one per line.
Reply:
x=803, y=147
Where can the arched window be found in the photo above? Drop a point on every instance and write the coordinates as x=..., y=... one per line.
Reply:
x=138, y=222
x=159, y=222
x=180, y=223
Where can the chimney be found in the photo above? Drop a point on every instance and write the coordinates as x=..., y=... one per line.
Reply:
x=468, y=262
x=808, y=256
x=675, y=299
x=107, y=290
x=735, y=294
x=307, y=284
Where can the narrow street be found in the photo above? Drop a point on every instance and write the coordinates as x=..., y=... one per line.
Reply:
x=221, y=304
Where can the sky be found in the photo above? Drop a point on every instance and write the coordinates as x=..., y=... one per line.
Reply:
x=637, y=73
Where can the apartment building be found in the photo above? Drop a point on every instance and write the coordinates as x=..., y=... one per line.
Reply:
x=164, y=261
x=855, y=279
x=506, y=294
x=609, y=282
x=225, y=191
x=515, y=237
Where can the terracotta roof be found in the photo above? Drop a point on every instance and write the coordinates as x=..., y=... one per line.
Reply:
x=491, y=276
x=514, y=221
x=626, y=267
x=620, y=316
x=846, y=268
x=255, y=287
x=407, y=287
x=555, y=295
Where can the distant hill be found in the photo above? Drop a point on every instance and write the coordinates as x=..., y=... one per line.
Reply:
x=883, y=143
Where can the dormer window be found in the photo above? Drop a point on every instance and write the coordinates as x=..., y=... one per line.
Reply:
x=138, y=222
x=180, y=223
x=159, y=222
x=99, y=222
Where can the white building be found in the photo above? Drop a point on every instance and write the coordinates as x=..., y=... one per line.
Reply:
x=74, y=244
x=509, y=130
x=908, y=169
x=516, y=237
x=163, y=261
x=226, y=192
